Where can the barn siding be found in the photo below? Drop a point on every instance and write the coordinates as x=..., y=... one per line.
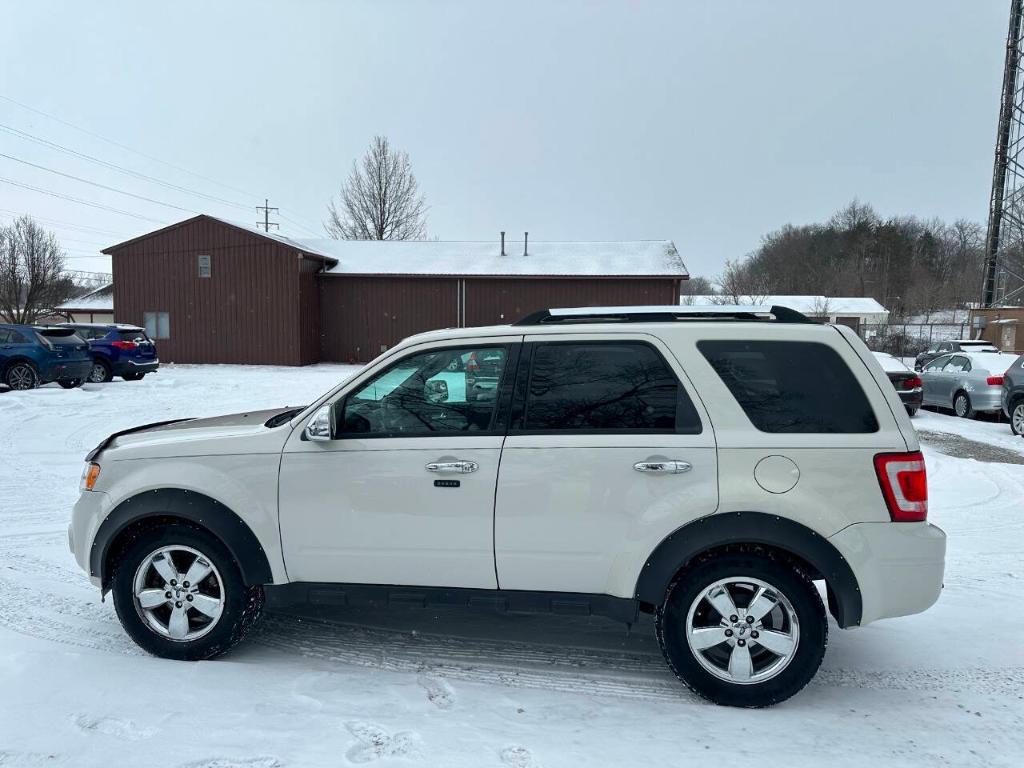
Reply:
x=493, y=301
x=248, y=311
x=359, y=314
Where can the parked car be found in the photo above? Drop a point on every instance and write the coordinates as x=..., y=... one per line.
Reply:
x=969, y=383
x=1012, y=396
x=905, y=381
x=118, y=350
x=671, y=461
x=953, y=345
x=33, y=355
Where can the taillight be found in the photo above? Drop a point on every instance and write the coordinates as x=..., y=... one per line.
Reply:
x=904, y=483
x=912, y=383
x=124, y=344
x=994, y=381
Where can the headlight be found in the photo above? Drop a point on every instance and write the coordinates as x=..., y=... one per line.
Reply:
x=89, y=476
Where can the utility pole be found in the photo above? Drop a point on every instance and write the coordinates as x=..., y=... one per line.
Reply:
x=1008, y=172
x=266, y=223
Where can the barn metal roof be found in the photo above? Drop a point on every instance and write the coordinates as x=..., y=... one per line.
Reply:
x=633, y=258
x=638, y=258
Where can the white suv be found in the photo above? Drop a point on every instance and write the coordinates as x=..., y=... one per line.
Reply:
x=706, y=465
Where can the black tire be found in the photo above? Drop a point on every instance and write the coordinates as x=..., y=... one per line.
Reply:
x=1017, y=419
x=21, y=375
x=912, y=411
x=134, y=376
x=100, y=373
x=962, y=405
x=242, y=604
x=787, y=579
x=70, y=383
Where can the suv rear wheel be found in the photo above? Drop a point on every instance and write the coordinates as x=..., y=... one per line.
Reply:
x=743, y=630
x=100, y=372
x=1017, y=417
x=180, y=595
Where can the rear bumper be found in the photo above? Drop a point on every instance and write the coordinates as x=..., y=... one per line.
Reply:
x=898, y=566
x=988, y=399
x=65, y=371
x=911, y=398
x=131, y=366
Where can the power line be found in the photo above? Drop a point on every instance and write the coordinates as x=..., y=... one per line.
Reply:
x=79, y=200
x=114, y=166
x=124, y=146
x=96, y=184
x=300, y=225
x=65, y=224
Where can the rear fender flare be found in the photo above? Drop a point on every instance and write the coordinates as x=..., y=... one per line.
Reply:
x=684, y=545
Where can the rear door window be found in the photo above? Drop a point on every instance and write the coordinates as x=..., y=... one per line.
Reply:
x=937, y=363
x=590, y=387
x=792, y=386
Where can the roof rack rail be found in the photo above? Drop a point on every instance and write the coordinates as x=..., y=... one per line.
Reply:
x=735, y=312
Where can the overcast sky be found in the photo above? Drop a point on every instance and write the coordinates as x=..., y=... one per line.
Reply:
x=709, y=123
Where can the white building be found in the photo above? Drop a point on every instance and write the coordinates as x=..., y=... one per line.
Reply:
x=94, y=307
x=846, y=310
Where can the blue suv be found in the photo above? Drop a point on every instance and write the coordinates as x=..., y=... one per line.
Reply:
x=117, y=350
x=32, y=355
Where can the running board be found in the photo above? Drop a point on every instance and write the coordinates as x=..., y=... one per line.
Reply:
x=492, y=600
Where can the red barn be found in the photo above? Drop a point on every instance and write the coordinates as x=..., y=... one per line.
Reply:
x=211, y=291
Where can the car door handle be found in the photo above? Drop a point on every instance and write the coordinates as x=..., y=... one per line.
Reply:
x=668, y=467
x=453, y=467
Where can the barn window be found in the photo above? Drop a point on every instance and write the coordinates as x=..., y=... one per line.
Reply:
x=204, y=265
x=158, y=324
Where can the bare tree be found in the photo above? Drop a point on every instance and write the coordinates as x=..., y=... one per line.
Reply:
x=32, y=280
x=695, y=286
x=742, y=283
x=380, y=200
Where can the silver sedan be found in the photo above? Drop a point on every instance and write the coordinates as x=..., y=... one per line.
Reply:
x=968, y=382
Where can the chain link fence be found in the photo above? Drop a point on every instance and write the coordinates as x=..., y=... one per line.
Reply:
x=910, y=339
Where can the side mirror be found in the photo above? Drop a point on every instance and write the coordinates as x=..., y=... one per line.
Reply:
x=436, y=391
x=320, y=426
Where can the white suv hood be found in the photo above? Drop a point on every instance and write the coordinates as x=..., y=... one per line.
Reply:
x=232, y=433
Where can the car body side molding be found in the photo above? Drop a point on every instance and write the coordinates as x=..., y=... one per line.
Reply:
x=679, y=549
x=195, y=507
x=491, y=600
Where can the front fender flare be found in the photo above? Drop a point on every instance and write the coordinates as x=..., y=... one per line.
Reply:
x=684, y=544
x=194, y=507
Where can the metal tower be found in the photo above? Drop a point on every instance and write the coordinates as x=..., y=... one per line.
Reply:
x=1006, y=205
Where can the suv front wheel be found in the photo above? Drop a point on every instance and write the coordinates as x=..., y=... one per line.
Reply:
x=180, y=595
x=743, y=630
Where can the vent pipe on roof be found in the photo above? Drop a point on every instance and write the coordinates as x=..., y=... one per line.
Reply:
x=503, y=242
x=526, y=240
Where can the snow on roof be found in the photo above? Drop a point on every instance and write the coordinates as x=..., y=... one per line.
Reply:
x=809, y=305
x=647, y=258
x=100, y=300
x=637, y=258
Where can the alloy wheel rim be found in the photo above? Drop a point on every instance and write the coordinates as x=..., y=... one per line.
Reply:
x=22, y=377
x=179, y=593
x=1018, y=419
x=742, y=630
x=960, y=405
x=97, y=374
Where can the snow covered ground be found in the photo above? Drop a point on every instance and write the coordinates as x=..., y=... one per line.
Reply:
x=436, y=689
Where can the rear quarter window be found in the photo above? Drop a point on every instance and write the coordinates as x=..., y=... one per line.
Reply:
x=792, y=386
